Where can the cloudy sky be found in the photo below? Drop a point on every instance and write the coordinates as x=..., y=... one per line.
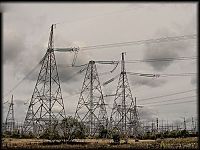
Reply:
x=26, y=29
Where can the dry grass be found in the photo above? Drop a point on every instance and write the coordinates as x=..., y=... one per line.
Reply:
x=104, y=144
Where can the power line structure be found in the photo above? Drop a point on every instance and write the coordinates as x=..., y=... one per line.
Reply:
x=129, y=43
x=140, y=42
x=46, y=107
x=175, y=99
x=111, y=45
x=91, y=108
x=10, y=120
x=135, y=128
x=166, y=95
x=123, y=111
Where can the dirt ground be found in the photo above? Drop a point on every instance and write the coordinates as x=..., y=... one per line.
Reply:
x=179, y=143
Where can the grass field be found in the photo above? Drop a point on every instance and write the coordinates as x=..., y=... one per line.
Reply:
x=169, y=143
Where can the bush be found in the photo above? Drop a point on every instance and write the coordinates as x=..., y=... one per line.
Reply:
x=103, y=133
x=116, y=138
x=72, y=128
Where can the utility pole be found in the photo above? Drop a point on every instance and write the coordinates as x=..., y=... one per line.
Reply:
x=134, y=127
x=193, y=129
x=184, y=124
x=123, y=93
x=157, y=124
x=162, y=126
x=10, y=120
x=91, y=96
x=152, y=126
x=167, y=126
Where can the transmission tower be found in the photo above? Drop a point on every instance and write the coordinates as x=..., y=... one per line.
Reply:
x=135, y=126
x=124, y=111
x=10, y=121
x=46, y=107
x=91, y=108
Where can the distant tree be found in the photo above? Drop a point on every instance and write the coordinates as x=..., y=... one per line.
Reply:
x=31, y=135
x=15, y=134
x=116, y=136
x=173, y=134
x=72, y=128
x=103, y=133
x=184, y=133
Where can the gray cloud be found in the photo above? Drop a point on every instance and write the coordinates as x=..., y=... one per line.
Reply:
x=145, y=81
x=13, y=46
x=69, y=74
x=23, y=51
x=164, y=50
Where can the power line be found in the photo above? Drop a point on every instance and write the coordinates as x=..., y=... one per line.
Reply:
x=139, y=60
x=161, y=59
x=179, y=74
x=139, y=42
x=144, y=99
x=170, y=100
x=176, y=103
x=162, y=74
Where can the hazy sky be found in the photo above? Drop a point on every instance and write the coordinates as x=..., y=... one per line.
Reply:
x=26, y=29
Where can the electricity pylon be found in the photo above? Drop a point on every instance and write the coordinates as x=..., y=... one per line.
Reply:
x=91, y=108
x=135, y=128
x=10, y=120
x=124, y=111
x=46, y=107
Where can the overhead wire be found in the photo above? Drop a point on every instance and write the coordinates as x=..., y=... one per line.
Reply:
x=166, y=95
x=170, y=100
x=139, y=42
x=175, y=103
x=162, y=74
x=161, y=59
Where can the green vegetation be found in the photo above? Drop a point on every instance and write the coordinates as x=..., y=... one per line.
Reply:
x=72, y=129
x=168, y=134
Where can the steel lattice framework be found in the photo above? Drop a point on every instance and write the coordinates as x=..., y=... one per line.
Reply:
x=10, y=120
x=124, y=115
x=91, y=108
x=46, y=106
x=135, y=127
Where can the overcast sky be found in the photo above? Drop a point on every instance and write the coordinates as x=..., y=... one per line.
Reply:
x=26, y=29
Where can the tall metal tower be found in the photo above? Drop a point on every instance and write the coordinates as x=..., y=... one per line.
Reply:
x=135, y=126
x=123, y=111
x=10, y=121
x=46, y=107
x=91, y=108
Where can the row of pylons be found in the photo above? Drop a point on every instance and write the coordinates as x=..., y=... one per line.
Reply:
x=46, y=108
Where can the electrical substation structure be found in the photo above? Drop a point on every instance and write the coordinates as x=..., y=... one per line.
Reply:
x=124, y=117
x=91, y=108
x=10, y=120
x=46, y=107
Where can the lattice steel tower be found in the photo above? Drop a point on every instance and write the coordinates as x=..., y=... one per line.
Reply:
x=91, y=108
x=135, y=128
x=124, y=112
x=46, y=107
x=10, y=120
